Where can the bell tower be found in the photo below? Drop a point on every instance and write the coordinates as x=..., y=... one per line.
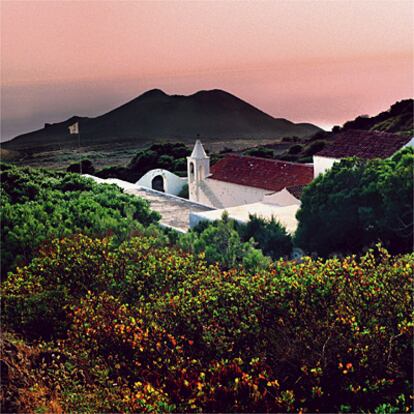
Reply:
x=198, y=168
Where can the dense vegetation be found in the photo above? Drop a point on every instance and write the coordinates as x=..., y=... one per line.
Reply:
x=97, y=320
x=231, y=243
x=357, y=203
x=38, y=205
x=85, y=166
x=171, y=157
x=146, y=327
x=220, y=242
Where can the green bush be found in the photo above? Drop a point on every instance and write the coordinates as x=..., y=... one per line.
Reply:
x=313, y=148
x=270, y=236
x=258, y=236
x=172, y=157
x=87, y=167
x=38, y=205
x=295, y=149
x=184, y=193
x=357, y=203
x=220, y=242
x=260, y=152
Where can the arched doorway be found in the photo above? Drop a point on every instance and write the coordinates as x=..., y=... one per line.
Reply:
x=158, y=183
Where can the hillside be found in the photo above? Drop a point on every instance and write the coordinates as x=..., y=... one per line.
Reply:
x=215, y=115
x=398, y=119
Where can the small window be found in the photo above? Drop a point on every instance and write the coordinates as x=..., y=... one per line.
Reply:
x=191, y=171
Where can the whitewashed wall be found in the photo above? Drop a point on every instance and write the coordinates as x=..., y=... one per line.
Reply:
x=173, y=184
x=220, y=194
x=321, y=164
x=281, y=198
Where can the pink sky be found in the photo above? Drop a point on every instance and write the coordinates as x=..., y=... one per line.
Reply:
x=317, y=61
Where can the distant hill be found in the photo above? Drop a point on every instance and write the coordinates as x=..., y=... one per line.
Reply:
x=154, y=115
x=398, y=119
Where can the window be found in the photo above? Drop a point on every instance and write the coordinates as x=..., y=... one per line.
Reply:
x=191, y=171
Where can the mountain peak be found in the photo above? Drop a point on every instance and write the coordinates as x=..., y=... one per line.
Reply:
x=219, y=93
x=153, y=93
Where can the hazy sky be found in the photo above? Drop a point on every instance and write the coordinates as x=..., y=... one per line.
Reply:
x=316, y=61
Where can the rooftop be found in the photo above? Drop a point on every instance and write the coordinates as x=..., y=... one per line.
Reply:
x=296, y=190
x=364, y=144
x=198, y=151
x=174, y=211
x=268, y=174
x=286, y=215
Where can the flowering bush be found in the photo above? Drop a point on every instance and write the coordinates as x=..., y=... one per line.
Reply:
x=152, y=328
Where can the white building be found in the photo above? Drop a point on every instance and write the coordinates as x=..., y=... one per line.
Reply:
x=162, y=180
x=237, y=180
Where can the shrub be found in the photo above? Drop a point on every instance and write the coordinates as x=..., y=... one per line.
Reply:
x=121, y=173
x=220, y=242
x=153, y=328
x=268, y=237
x=169, y=156
x=295, y=149
x=70, y=267
x=313, y=148
x=357, y=203
x=39, y=205
x=184, y=193
x=260, y=152
x=271, y=237
x=87, y=167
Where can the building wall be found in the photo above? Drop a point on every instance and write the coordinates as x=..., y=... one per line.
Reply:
x=197, y=170
x=281, y=198
x=173, y=184
x=321, y=164
x=286, y=215
x=220, y=194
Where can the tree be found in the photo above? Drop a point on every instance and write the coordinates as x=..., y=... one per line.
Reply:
x=396, y=190
x=169, y=156
x=166, y=162
x=271, y=237
x=221, y=242
x=184, y=193
x=87, y=167
x=356, y=204
x=295, y=149
x=38, y=205
x=262, y=152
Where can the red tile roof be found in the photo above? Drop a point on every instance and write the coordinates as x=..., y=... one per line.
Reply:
x=363, y=144
x=262, y=173
x=296, y=190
